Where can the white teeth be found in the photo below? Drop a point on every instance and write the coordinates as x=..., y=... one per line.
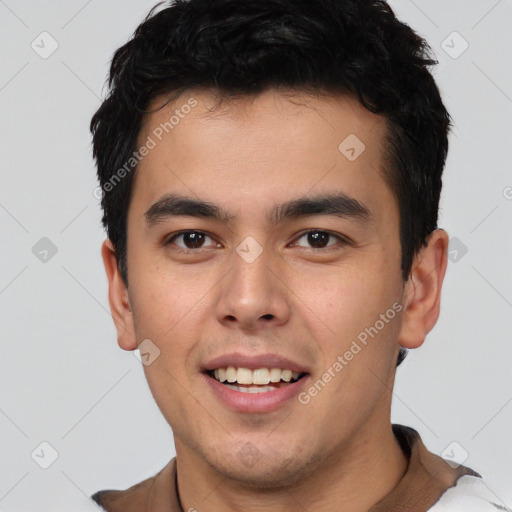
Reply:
x=286, y=375
x=231, y=374
x=275, y=375
x=244, y=376
x=252, y=389
x=259, y=377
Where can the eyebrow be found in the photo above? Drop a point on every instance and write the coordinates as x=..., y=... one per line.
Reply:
x=338, y=204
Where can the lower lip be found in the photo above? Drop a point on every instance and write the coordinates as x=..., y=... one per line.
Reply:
x=255, y=402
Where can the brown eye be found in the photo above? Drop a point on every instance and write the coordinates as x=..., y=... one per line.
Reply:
x=190, y=239
x=318, y=239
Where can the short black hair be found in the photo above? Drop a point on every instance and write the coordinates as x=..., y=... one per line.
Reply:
x=243, y=47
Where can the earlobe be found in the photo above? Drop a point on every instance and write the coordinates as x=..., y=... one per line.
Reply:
x=118, y=299
x=422, y=292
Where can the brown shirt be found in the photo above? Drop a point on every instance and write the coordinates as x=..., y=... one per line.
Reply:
x=427, y=477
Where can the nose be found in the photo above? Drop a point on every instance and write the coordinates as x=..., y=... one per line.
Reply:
x=253, y=295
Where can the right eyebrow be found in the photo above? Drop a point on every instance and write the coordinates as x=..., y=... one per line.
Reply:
x=171, y=205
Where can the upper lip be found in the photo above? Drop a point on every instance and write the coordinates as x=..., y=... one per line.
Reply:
x=254, y=362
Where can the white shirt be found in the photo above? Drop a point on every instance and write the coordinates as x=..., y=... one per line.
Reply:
x=470, y=494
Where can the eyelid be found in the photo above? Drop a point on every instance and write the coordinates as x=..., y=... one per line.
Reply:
x=342, y=239
x=170, y=239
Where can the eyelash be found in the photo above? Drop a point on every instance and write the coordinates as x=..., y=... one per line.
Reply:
x=342, y=240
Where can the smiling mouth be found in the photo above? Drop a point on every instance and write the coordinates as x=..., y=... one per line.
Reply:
x=261, y=380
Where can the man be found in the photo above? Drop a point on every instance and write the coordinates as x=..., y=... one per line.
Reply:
x=270, y=175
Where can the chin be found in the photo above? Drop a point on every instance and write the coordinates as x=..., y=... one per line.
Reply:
x=252, y=469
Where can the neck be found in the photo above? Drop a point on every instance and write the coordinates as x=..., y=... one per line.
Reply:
x=353, y=478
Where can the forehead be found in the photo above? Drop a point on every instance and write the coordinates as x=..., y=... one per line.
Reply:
x=263, y=148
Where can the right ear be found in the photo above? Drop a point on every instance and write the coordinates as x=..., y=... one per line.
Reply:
x=118, y=299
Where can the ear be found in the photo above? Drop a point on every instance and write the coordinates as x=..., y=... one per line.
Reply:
x=422, y=292
x=118, y=299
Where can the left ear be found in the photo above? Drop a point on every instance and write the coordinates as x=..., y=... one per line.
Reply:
x=422, y=292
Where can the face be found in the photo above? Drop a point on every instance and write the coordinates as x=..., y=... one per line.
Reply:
x=293, y=263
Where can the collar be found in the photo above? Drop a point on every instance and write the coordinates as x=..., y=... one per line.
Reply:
x=427, y=477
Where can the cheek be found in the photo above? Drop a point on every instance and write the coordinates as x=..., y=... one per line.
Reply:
x=165, y=311
x=352, y=305
x=359, y=346
x=170, y=305
x=164, y=301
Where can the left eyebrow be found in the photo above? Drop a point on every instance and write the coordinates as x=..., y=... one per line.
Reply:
x=339, y=204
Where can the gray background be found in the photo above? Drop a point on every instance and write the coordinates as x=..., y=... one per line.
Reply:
x=64, y=380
